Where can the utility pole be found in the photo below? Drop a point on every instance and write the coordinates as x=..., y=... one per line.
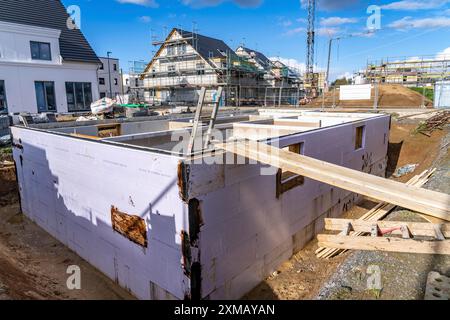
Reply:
x=109, y=74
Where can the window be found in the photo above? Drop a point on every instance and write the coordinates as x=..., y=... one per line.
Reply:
x=79, y=96
x=171, y=69
x=102, y=95
x=45, y=96
x=3, y=105
x=102, y=67
x=40, y=51
x=116, y=82
x=182, y=49
x=115, y=67
x=359, y=137
x=136, y=82
x=286, y=180
x=200, y=68
x=101, y=80
x=170, y=50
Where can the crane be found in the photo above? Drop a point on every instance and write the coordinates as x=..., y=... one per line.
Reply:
x=309, y=76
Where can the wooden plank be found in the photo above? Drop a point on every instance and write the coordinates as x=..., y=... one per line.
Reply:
x=296, y=123
x=85, y=136
x=377, y=213
x=416, y=228
x=417, y=199
x=388, y=244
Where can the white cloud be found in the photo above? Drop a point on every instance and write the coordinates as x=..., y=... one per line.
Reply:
x=145, y=19
x=145, y=3
x=335, y=21
x=330, y=5
x=412, y=5
x=410, y=23
x=328, y=31
x=212, y=3
x=444, y=54
x=346, y=75
x=294, y=31
x=291, y=63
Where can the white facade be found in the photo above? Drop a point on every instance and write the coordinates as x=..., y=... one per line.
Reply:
x=20, y=71
x=104, y=85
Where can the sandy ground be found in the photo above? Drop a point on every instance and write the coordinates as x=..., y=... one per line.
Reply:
x=33, y=265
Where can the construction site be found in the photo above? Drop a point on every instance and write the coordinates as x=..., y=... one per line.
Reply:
x=234, y=177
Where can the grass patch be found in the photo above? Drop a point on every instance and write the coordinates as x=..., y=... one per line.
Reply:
x=5, y=151
x=429, y=92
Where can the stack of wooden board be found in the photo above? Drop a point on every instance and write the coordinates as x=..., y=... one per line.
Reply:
x=377, y=213
x=426, y=238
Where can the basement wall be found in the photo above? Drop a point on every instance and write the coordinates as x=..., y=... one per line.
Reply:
x=69, y=187
x=209, y=231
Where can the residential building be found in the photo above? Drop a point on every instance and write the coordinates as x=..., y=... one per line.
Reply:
x=109, y=78
x=46, y=64
x=187, y=61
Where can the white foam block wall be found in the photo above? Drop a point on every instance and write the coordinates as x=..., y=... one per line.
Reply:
x=247, y=231
x=68, y=186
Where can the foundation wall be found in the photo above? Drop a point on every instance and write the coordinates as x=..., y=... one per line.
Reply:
x=75, y=189
x=246, y=232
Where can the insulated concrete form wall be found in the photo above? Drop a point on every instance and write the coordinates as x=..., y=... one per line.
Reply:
x=213, y=231
x=246, y=232
x=69, y=186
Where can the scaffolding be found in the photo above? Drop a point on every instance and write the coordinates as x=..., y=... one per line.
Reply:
x=409, y=71
x=186, y=71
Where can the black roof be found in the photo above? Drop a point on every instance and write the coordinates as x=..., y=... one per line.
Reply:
x=207, y=47
x=265, y=62
x=49, y=14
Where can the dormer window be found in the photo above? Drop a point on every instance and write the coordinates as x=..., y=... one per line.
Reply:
x=40, y=51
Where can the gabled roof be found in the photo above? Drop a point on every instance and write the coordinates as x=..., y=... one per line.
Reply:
x=207, y=47
x=49, y=14
x=265, y=62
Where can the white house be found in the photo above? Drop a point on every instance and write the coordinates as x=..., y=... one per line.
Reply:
x=109, y=78
x=45, y=65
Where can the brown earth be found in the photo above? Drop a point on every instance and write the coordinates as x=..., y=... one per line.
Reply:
x=389, y=96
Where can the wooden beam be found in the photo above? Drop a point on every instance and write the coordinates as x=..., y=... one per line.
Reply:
x=417, y=199
x=416, y=228
x=389, y=244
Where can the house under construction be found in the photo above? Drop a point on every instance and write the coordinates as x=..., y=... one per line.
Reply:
x=187, y=61
x=417, y=71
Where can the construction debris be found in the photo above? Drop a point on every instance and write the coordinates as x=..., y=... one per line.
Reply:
x=414, y=237
x=377, y=213
x=436, y=122
x=409, y=168
x=438, y=287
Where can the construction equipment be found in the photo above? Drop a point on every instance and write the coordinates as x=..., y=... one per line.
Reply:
x=211, y=120
x=310, y=40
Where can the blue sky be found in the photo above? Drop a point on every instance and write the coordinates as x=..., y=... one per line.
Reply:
x=276, y=28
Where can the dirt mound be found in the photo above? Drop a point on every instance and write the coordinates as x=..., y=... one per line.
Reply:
x=389, y=96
